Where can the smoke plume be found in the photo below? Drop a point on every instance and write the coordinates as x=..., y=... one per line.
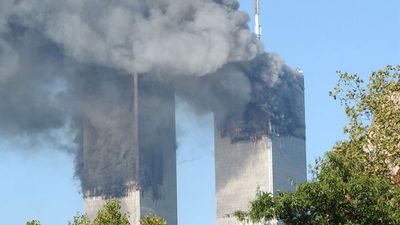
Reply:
x=66, y=62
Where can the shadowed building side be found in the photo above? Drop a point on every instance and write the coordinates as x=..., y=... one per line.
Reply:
x=130, y=153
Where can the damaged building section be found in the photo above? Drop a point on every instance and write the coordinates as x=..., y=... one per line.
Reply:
x=276, y=105
x=120, y=158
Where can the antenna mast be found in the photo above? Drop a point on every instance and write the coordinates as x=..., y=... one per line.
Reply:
x=257, y=25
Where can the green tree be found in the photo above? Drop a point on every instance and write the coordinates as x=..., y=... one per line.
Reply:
x=80, y=220
x=111, y=214
x=152, y=220
x=33, y=222
x=358, y=182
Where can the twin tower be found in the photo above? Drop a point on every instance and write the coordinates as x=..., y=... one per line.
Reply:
x=130, y=154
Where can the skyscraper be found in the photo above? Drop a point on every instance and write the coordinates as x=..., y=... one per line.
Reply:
x=130, y=153
x=259, y=151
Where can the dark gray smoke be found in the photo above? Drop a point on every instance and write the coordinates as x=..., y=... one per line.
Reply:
x=276, y=105
x=31, y=83
x=68, y=65
x=261, y=97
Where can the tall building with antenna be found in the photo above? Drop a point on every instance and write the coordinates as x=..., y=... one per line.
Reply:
x=270, y=158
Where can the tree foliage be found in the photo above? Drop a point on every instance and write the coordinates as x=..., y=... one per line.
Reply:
x=373, y=111
x=357, y=182
x=80, y=220
x=110, y=214
x=152, y=220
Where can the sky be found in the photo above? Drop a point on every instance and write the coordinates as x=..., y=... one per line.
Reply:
x=318, y=36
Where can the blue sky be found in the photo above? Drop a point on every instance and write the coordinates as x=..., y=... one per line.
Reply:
x=319, y=36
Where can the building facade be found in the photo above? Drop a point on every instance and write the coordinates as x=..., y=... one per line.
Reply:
x=260, y=151
x=130, y=154
x=270, y=164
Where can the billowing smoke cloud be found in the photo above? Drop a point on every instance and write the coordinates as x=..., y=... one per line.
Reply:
x=261, y=96
x=30, y=83
x=191, y=37
x=168, y=37
x=68, y=63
